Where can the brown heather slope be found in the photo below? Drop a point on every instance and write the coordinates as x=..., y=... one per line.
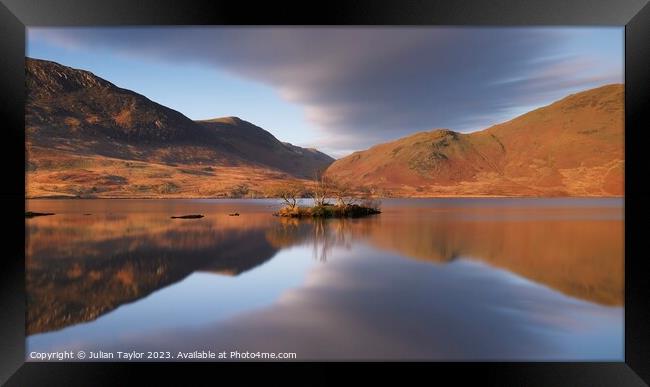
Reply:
x=573, y=147
x=87, y=137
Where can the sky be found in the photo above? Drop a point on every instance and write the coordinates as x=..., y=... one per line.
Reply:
x=344, y=89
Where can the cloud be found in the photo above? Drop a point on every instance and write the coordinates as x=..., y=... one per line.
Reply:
x=361, y=86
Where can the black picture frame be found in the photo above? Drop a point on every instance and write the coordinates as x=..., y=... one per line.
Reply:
x=15, y=15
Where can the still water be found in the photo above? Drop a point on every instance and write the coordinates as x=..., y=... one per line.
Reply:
x=428, y=279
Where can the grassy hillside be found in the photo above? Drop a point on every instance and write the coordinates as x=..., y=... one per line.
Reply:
x=573, y=147
x=86, y=137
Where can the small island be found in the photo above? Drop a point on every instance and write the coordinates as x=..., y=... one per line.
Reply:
x=349, y=202
x=327, y=211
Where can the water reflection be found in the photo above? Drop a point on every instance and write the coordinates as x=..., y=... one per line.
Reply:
x=581, y=258
x=321, y=234
x=80, y=267
x=481, y=280
x=460, y=311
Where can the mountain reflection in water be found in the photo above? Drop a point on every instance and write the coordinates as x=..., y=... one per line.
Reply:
x=409, y=283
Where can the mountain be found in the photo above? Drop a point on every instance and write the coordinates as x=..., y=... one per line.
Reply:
x=573, y=147
x=248, y=139
x=88, y=137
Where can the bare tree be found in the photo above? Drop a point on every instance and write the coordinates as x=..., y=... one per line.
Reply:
x=368, y=197
x=322, y=189
x=343, y=193
x=290, y=193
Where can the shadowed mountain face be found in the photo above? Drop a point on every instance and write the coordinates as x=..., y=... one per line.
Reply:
x=573, y=147
x=66, y=103
x=81, y=130
x=249, y=139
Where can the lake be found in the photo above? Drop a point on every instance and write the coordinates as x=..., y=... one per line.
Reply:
x=493, y=279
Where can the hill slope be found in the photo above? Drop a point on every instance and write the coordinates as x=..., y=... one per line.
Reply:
x=86, y=136
x=573, y=147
